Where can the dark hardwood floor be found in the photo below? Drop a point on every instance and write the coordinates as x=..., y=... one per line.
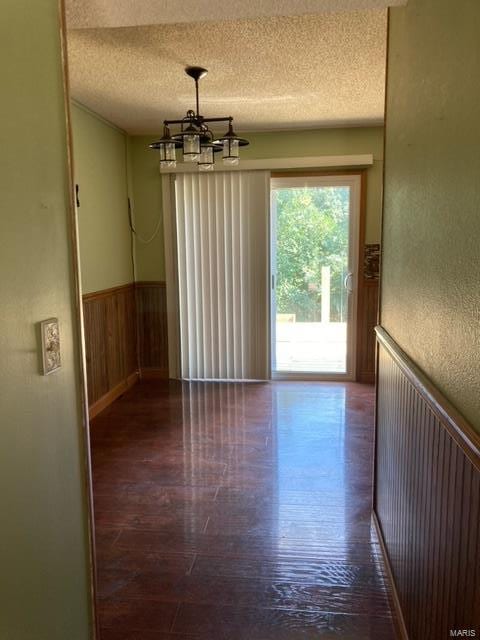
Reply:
x=238, y=511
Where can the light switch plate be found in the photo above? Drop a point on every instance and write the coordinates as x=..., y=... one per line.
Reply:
x=50, y=337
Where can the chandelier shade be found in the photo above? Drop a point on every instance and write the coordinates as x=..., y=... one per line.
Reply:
x=195, y=138
x=166, y=147
x=231, y=144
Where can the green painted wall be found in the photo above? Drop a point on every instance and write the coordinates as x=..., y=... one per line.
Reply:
x=147, y=192
x=431, y=261
x=44, y=588
x=100, y=167
x=146, y=187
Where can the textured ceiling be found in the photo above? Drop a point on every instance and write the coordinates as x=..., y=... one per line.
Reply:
x=125, y=13
x=268, y=73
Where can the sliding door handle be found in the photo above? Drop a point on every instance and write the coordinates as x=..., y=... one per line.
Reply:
x=347, y=283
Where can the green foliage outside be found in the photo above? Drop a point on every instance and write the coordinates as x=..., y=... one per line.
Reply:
x=312, y=232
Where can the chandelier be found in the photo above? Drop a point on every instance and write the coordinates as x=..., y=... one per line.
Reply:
x=196, y=140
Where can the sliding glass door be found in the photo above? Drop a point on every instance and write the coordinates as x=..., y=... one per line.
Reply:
x=314, y=249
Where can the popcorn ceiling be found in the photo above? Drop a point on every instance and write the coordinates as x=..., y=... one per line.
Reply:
x=125, y=13
x=268, y=73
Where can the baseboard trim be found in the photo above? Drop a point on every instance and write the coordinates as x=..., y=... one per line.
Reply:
x=107, y=399
x=366, y=378
x=151, y=373
x=395, y=600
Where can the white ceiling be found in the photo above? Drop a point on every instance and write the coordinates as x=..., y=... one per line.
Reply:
x=125, y=13
x=274, y=72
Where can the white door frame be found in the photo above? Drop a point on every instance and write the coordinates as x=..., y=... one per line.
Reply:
x=354, y=182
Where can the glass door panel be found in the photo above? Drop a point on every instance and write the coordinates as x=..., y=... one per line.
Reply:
x=312, y=276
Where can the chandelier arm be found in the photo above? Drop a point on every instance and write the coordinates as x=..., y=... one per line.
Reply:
x=226, y=119
x=181, y=121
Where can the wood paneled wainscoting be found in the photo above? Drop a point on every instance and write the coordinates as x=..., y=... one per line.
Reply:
x=152, y=329
x=367, y=320
x=125, y=336
x=367, y=311
x=110, y=344
x=427, y=500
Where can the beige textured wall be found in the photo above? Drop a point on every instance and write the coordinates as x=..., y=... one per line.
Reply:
x=431, y=262
x=100, y=165
x=44, y=586
x=147, y=191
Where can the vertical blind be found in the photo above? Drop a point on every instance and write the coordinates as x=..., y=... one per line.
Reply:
x=222, y=233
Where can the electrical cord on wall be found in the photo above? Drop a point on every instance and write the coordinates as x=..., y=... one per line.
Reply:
x=134, y=231
x=132, y=242
x=132, y=255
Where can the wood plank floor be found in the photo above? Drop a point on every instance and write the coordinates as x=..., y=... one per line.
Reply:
x=238, y=511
